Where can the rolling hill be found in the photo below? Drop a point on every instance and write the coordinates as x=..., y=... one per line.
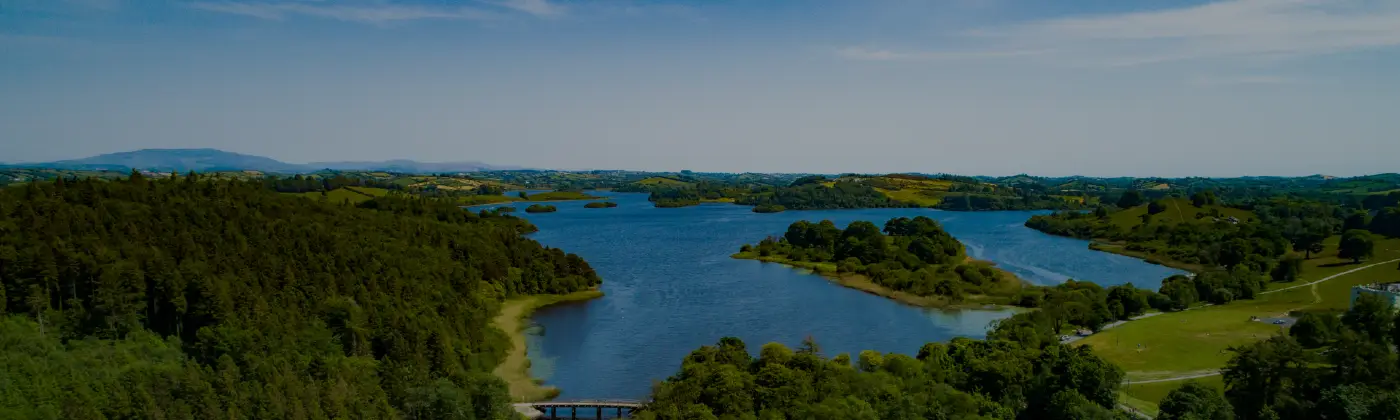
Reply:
x=208, y=160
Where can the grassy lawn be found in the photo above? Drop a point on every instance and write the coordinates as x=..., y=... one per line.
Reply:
x=915, y=196
x=339, y=195
x=1154, y=392
x=560, y=196
x=515, y=370
x=1179, y=343
x=1179, y=210
x=370, y=191
x=656, y=180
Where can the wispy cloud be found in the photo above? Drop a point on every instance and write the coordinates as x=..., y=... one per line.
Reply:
x=1228, y=29
x=541, y=8
x=377, y=14
x=873, y=54
x=1254, y=79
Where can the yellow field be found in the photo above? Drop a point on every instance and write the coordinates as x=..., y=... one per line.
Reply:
x=923, y=192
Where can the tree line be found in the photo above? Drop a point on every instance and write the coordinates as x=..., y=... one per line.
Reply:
x=194, y=298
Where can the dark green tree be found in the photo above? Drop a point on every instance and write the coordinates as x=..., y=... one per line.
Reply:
x=1194, y=401
x=1129, y=199
x=1356, y=245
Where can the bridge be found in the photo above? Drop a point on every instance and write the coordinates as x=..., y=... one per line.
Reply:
x=574, y=408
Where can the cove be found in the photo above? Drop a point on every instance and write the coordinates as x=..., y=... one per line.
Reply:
x=670, y=287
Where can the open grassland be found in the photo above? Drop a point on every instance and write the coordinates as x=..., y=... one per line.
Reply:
x=513, y=319
x=481, y=199
x=339, y=195
x=559, y=196
x=922, y=192
x=923, y=198
x=476, y=200
x=1196, y=340
x=1179, y=210
x=657, y=180
x=1154, y=392
x=370, y=191
x=1008, y=284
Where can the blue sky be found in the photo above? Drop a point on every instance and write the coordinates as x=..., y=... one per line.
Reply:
x=1096, y=87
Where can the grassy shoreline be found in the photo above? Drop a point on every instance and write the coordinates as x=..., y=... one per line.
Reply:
x=1101, y=246
x=864, y=284
x=482, y=200
x=512, y=319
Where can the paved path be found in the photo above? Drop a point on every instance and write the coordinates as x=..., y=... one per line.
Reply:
x=1331, y=276
x=1203, y=374
x=1074, y=338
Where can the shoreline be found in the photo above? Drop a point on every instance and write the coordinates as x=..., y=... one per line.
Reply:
x=1116, y=249
x=862, y=283
x=512, y=319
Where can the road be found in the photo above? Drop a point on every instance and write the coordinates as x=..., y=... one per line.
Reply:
x=1331, y=276
x=1202, y=374
x=1074, y=338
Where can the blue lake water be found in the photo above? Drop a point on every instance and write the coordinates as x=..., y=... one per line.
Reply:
x=671, y=287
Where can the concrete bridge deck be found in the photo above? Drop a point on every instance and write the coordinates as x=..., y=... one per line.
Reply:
x=574, y=409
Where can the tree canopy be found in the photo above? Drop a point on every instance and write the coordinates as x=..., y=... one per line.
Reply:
x=190, y=298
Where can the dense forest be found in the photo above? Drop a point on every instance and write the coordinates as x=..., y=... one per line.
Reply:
x=806, y=195
x=192, y=298
x=962, y=379
x=1257, y=234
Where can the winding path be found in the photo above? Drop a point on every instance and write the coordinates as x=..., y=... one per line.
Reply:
x=1331, y=276
x=1202, y=374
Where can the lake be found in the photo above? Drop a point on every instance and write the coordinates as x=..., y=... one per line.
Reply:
x=671, y=287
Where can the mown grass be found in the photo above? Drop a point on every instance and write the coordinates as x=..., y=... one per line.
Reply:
x=370, y=191
x=337, y=196
x=1178, y=343
x=1153, y=393
x=559, y=196
x=657, y=180
x=513, y=319
x=1179, y=210
x=919, y=197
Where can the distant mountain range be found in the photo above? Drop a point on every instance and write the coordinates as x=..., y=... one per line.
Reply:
x=211, y=160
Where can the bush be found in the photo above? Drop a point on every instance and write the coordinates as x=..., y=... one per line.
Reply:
x=541, y=208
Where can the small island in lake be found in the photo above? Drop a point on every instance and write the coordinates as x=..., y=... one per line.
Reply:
x=914, y=261
x=600, y=205
x=541, y=208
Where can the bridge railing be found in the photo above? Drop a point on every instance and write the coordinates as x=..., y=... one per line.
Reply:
x=591, y=402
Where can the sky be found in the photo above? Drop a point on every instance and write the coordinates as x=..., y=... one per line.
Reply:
x=976, y=87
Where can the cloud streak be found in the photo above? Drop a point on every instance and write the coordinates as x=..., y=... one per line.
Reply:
x=376, y=14
x=540, y=8
x=1229, y=29
x=872, y=54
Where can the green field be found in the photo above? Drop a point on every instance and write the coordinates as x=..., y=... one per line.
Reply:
x=340, y=195
x=559, y=196
x=1153, y=393
x=1179, y=210
x=1195, y=341
x=374, y=192
x=923, y=192
x=657, y=180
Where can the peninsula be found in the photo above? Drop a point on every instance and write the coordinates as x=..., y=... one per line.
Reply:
x=914, y=262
